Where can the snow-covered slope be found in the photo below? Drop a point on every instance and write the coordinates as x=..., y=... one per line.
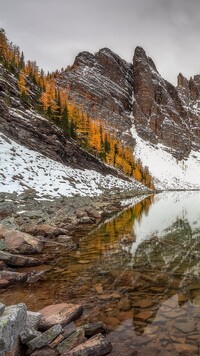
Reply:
x=168, y=172
x=22, y=168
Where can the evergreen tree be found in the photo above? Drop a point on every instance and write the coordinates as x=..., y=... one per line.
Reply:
x=65, y=122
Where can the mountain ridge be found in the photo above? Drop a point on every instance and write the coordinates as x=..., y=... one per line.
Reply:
x=107, y=97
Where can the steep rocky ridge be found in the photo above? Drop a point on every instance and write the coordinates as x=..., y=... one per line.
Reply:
x=122, y=94
x=102, y=84
x=160, y=113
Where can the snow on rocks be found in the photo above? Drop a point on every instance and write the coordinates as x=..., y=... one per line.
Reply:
x=22, y=168
x=167, y=171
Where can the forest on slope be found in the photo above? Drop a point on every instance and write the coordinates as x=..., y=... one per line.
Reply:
x=40, y=92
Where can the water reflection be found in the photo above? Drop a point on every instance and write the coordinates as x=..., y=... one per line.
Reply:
x=139, y=273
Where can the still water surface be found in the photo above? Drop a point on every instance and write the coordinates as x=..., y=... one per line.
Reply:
x=139, y=273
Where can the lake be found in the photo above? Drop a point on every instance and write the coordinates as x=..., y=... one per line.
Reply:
x=139, y=272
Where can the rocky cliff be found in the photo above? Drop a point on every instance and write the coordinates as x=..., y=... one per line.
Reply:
x=122, y=94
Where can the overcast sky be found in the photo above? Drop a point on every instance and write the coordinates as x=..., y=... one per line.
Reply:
x=53, y=32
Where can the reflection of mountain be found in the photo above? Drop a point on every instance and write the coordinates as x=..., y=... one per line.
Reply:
x=166, y=256
x=168, y=208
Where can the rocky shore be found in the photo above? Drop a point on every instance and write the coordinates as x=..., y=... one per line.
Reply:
x=51, y=331
x=29, y=224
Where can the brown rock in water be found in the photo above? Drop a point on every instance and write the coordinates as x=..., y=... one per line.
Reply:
x=59, y=314
x=186, y=349
x=20, y=242
x=144, y=315
x=97, y=346
x=143, y=303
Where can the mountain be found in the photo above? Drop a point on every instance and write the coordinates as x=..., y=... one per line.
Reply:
x=35, y=154
x=159, y=121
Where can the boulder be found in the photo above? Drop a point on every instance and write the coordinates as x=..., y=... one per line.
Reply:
x=97, y=346
x=30, y=331
x=6, y=209
x=12, y=322
x=28, y=334
x=94, y=328
x=18, y=260
x=32, y=319
x=67, y=241
x=59, y=314
x=45, y=230
x=13, y=277
x=46, y=338
x=20, y=242
x=76, y=338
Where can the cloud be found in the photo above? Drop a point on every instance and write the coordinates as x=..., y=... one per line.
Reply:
x=53, y=32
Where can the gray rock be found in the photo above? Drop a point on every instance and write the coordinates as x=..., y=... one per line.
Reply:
x=12, y=322
x=46, y=338
x=29, y=334
x=33, y=214
x=73, y=340
x=186, y=327
x=6, y=209
x=2, y=308
x=96, y=346
x=94, y=328
x=85, y=220
x=32, y=319
x=69, y=329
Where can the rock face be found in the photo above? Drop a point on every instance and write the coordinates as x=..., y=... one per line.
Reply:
x=160, y=112
x=122, y=94
x=102, y=83
x=33, y=131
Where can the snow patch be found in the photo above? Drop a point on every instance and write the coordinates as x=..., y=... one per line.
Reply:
x=22, y=168
x=168, y=173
